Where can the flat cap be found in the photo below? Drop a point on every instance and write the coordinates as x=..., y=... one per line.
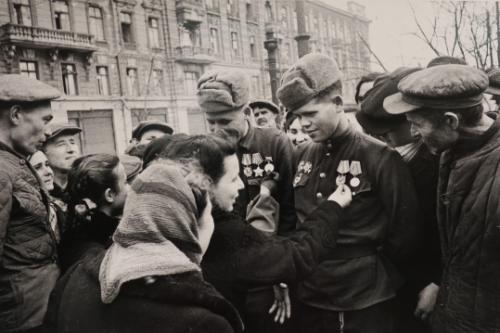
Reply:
x=58, y=129
x=20, y=88
x=372, y=116
x=261, y=103
x=446, y=60
x=144, y=126
x=439, y=87
x=223, y=90
x=494, y=81
x=308, y=77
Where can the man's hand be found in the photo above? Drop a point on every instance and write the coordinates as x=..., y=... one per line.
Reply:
x=426, y=301
x=282, y=304
x=342, y=196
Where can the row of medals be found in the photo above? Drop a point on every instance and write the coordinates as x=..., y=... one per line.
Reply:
x=344, y=168
x=247, y=160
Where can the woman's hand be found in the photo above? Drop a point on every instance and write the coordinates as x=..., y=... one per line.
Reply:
x=342, y=196
x=282, y=304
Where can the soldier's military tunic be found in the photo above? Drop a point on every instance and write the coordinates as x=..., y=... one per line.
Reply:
x=261, y=151
x=379, y=228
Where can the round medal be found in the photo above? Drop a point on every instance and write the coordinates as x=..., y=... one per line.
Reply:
x=297, y=180
x=354, y=182
x=269, y=167
x=340, y=180
x=247, y=171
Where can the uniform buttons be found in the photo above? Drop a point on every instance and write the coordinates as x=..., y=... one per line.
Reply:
x=322, y=175
x=319, y=195
x=329, y=146
x=328, y=154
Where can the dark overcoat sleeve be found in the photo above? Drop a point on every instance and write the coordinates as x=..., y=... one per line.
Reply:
x=5, y=207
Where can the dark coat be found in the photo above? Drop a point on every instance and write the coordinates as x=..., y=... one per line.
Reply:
x=469, y=219
x=175, y=303
x=240, y=257
x=380, y=229
x=28, y=258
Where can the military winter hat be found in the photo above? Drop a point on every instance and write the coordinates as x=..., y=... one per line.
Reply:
x=440, y=87
x=372, y=116
x=20, y=88
x=308, y=77
x=223, y=90
x=494, y=82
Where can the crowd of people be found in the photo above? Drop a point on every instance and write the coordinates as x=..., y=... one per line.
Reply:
x=274, y=221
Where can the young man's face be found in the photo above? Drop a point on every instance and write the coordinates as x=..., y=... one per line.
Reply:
x=320, y=118
x=296, y=134
x=264, y=117
x=437, y=137
x=61, y=151
x=227, y=120
x=31, y=128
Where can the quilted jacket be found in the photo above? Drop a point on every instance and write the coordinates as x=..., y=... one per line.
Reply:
x=28, y=268
x=469, y=223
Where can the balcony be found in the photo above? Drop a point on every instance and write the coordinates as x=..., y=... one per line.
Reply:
x=43, y=38
x=190, y=13
x=194, y=55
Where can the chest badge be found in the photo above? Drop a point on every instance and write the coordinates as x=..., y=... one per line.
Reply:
x=246, y=161
x=257, y=161
x=355, y=171
x=269, y=167
x=342, y=170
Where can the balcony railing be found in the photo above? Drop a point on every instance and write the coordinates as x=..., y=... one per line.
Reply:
x=45, y=38
x=194, y=54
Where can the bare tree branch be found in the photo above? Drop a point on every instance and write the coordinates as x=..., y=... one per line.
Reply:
x=424, y=35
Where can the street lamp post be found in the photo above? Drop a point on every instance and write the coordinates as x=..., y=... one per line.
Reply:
x=271, y=46
x=302, y=37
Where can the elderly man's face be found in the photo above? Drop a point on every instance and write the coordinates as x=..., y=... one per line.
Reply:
x=437, y=135
x=31, y=127
x=227, y=120
x=264, y=117
x=61, y=151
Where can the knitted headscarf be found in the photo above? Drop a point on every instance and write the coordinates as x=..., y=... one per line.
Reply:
x=158, y=234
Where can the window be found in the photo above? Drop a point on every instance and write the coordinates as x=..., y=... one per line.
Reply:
x=28, y=68
x=154, y=32
x=249, y=10
x=156, y=84
x=97, y=135
x=126, y=26
x=255, y=87
x=96, y=24
x=214, y=40
x=69, y=79
x=269, y=12
x=22, y=12
x=190, y=83
x=61, y=15
x=253, y=48
x=294, y=18
x=232, y=7
x=283, y=18
x=102, y=80
x=156, y=114
x=213, y=4
x=234, y=43
x=132, y=82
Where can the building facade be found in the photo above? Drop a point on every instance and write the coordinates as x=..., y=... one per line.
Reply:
x=122, y=61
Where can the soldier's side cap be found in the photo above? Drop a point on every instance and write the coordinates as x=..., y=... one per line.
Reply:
x=20, y=88
x=494, y=82
x=372, y=116
x=222, y=90
x=308, y=77
x=58, y=129
x=262, y=103
x=439, y=87
x=144, y=126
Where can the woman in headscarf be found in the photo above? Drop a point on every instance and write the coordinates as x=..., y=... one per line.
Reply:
x=150, y=279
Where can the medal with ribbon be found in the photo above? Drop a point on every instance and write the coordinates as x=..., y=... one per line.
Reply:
x=269, y=167
x=257, y=160
x=342, y=170
x=355, y=171
x=246, y=161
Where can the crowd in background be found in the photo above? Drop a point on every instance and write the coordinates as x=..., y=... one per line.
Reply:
x=281, y=219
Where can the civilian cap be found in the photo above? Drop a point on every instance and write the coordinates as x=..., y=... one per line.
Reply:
x=370, y=77
x=58, y=129
x=131, y=164
x=441, y=87
x=261, y=103
x=20, y=88
x=223, y=90
x=494, y=82
x=144, y=126
x=307, y=78
x=372, y=116
x=446, y=60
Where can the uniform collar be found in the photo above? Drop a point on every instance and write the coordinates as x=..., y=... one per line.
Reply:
x=336, y=141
